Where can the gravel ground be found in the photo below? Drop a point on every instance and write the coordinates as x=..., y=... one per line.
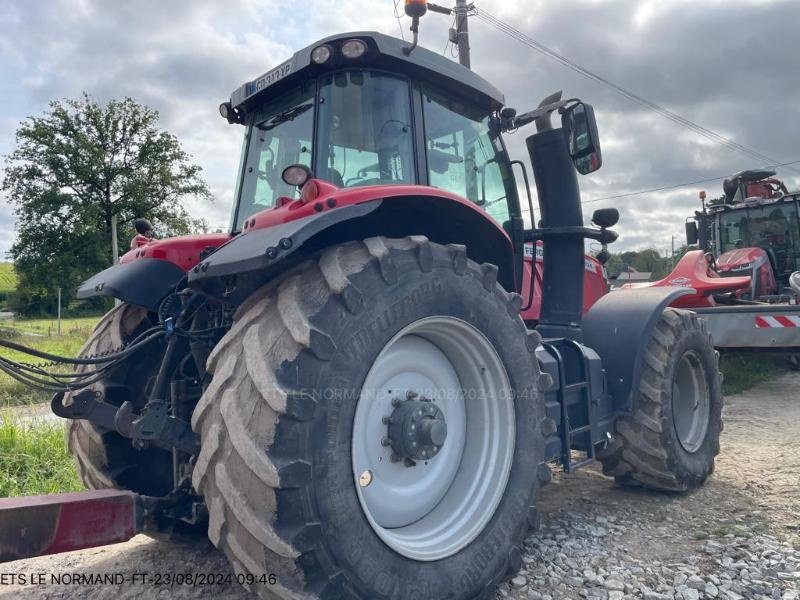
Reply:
x=737, y=537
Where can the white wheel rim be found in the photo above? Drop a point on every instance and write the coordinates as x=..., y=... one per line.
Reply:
x=691, y=406
x=434, y=509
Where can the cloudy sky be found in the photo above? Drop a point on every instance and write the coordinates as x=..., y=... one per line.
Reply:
x=729, y=65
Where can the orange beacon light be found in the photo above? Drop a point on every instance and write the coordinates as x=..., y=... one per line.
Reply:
x=416, y=8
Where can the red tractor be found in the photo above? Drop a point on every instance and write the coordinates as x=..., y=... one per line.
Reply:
x=753, y=231
x=351, y=390
x=744, y=280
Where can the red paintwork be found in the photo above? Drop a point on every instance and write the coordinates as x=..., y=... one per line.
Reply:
x=693, y=271
x=327, y=197
x=139, y=240
x=595, y=285
x=183, y=252
x=766, y=188
x=316, y=196
x=39, y=525
x=757, y=266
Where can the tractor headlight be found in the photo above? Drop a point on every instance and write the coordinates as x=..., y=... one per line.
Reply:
x=354, y=49
x=226, y=110
x=321, y=54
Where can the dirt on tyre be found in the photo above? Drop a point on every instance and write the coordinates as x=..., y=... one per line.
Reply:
x=372, y=427
x=671, y=441
x=104, y=459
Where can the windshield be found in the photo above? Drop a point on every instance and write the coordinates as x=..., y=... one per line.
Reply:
x=280, y=136
x=774, y=228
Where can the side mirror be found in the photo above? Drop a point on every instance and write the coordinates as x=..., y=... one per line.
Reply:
x=580, y=127
x=605, y=217
x=143, y=227
x=691, y=233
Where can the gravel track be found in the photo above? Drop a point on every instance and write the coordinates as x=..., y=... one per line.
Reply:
x=736, y=538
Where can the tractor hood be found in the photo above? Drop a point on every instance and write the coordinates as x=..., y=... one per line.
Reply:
x=735, y=262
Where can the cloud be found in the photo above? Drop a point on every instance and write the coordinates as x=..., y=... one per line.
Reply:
x=726, y=65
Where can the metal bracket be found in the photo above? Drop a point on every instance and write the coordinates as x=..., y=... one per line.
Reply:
x=155, y=424
x=605, y=236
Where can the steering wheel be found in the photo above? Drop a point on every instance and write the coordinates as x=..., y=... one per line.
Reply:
x=362, y=176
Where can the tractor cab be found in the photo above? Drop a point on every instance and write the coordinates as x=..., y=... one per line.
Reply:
x=357, y=111
x=753, y=229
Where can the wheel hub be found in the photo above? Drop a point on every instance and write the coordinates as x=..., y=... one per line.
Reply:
x=417, y=430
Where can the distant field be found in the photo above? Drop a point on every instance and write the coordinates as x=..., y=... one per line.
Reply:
x=40, y=334
x=8, y=278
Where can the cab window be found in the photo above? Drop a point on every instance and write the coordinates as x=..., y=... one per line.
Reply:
x=280, y=135
x=463, y=157
x=365, y=135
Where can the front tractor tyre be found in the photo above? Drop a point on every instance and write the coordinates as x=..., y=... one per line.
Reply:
x=372, y=427
x=671, y=440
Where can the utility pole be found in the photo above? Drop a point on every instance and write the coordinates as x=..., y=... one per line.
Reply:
x=59, y=311
x=672, y=256
x=460, y=35
x=462, y=32
x=114, y=247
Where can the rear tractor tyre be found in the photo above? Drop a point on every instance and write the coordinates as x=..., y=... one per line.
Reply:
x=371, y=429
x=670, y=442
x=106, y=460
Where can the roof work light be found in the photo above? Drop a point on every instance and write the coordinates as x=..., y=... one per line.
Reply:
x=416, y=8
x=354, y=49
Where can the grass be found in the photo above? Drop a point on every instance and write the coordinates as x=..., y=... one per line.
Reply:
x=8, y=278
x=744, y=371
x=41, y=334
x=34, y=458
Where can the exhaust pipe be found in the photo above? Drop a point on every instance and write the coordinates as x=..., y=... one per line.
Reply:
x=560, y=206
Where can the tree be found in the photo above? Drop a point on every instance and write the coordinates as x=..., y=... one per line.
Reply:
x=72, y=170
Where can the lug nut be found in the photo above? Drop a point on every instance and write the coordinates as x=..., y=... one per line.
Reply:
x=385, y=442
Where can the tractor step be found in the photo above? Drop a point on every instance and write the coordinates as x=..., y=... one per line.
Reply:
x=39, y=525
x=575, y=402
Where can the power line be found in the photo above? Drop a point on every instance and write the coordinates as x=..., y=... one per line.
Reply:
x=674, y=117
x=399, y=22
x=679, y=185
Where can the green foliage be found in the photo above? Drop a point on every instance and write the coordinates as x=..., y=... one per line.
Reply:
x=72, y=170
x=34, y=458
x=41, y=334
x=646, y=261
x=741, y=372
x=8, y=278
x=8, y=283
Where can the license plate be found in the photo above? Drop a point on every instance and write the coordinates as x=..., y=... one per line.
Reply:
x=269, y=78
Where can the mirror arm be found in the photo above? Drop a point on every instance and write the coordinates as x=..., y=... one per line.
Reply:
x=541, y=114
x=604, y=236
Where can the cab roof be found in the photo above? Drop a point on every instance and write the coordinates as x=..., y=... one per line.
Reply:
x=383, y=52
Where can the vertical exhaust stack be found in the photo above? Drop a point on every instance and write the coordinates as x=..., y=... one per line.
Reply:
x=560, y=206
